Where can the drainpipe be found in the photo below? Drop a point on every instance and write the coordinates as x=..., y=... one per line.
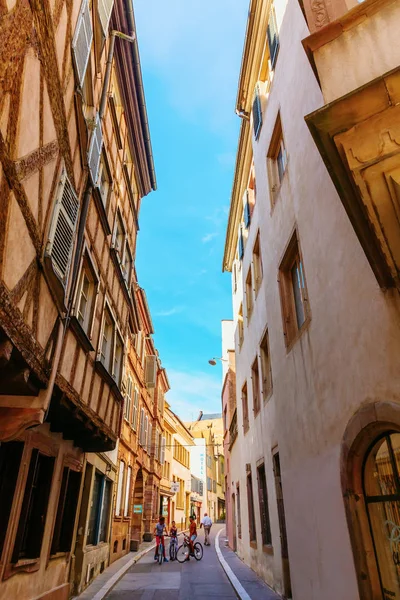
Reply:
x=113, y=35
x=140, y=89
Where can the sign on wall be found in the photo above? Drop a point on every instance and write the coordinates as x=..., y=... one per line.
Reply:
x=138, y=508
x=175, y=487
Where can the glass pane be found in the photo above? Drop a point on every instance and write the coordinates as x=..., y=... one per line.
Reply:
x=385, y=525
x=378, y=473
x=298, y=301
x=395, y=441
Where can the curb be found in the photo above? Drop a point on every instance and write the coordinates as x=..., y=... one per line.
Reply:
x=107, y=587
x=239, y=589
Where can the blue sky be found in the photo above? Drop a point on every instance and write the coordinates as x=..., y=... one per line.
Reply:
x=190, y=53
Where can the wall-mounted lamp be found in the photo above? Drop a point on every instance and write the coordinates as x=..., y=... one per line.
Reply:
x=213, y=361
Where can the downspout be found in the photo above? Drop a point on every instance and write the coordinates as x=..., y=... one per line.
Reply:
x=141, y=98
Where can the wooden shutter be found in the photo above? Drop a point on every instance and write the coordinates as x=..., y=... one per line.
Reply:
x=240, y=243
x=145, y=432
x=257, y=115
x=94, y=153
x=127, y=491
x=141, y=434
x=273, y=39
x=128, y=397
x=62, y=232
x=149, y=435
x=246, y=209
x=151, y=371
x=105, y=9
x=162, y=453
x=135, y=408
x=82, y=41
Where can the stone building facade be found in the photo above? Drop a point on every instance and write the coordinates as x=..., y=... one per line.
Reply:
x=312, y=250
x=75, y=162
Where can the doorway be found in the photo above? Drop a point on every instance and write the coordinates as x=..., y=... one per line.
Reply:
x=233, y=521
x=282, y=526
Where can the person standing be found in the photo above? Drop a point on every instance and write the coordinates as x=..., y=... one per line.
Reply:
x=207, y=524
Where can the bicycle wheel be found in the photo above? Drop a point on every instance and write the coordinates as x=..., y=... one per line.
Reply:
x=172, y=550
x=198, y=551
x=182, y=553
x=160, y=554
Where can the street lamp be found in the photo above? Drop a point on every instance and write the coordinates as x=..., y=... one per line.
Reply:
x=213, y=361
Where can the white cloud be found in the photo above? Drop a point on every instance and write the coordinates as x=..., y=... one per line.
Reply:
x=208, y=237
x=194, y=391
x=169, y=312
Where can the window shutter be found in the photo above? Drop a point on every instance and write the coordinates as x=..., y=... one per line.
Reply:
x=149, y=436
x=246, y=209
x=95, y=146
x=135, y=408
x=240, y=243
x=61, y=237
x=257, y=116
x=145, y=432
x=162, y=454
x=273, y=39
x=82, y=41
x=141, y=426
x=151, y=371
x=105, y=10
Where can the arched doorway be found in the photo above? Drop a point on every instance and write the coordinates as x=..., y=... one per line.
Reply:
x=137, y=508
x=381, y=484
x=370, y=478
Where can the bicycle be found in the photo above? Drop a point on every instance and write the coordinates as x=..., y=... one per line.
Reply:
x=161, y=550
x=173, y=548
x=184, y=550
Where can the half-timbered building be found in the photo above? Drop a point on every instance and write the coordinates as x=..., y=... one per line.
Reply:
x=75, y=161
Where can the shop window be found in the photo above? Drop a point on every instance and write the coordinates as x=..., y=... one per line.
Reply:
x=66, y=511
x=32, y=519
x=99, y=510
x=294, y=298
x=10, y=461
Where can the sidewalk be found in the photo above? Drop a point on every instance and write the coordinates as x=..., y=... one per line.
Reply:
x=247, y=584
x=111, y=575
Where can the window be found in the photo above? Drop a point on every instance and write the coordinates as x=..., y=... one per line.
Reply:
x=66, y=511
x=250, y=505
x=118, y=352
x=118, y=502
x=249, y=295
x=99, y=510
x=214, y=486
x=122, y=249
x=32, y=519
x=127, y=491
x=239, y=514
x=264, y=509
x=86, y=295
x=246, y=210
x=240, y=243
x=128, y=398
x=256, y=387
x=104, y=181
x=277, y=159
x=257, y=264
x=209, y=484
x=107, y=340
x=82, y=41
x=245, y=408
x=10, y=461
x=273, y=39
x=162, y=453
x=145, y=434
x=141, y=431
x=257, y=112
x=295, y=310
x=266, y=373
x=111, y=347
x=149, y=437
x=240, y=327
x=135, y=408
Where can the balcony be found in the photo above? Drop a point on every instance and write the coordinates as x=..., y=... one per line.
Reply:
x=233, y=430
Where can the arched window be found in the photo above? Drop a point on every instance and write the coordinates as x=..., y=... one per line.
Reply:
x=381, y=483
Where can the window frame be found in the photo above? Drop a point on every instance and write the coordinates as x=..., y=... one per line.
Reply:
x=108, y=370
x=251, y=512
x=257, y=264
x=84, y=330
x=245, y=408
x=276, y=147
x=293, y=256
x=255, y=380
x=249, y=295
x=265, y=365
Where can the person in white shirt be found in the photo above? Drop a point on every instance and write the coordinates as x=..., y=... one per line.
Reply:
x=207, y=524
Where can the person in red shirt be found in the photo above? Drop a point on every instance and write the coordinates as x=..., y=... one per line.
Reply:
x=192, y=535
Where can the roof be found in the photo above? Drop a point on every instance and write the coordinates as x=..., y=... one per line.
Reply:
x=211, y=416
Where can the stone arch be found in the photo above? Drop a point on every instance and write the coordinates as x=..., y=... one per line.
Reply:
x=367, y=424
